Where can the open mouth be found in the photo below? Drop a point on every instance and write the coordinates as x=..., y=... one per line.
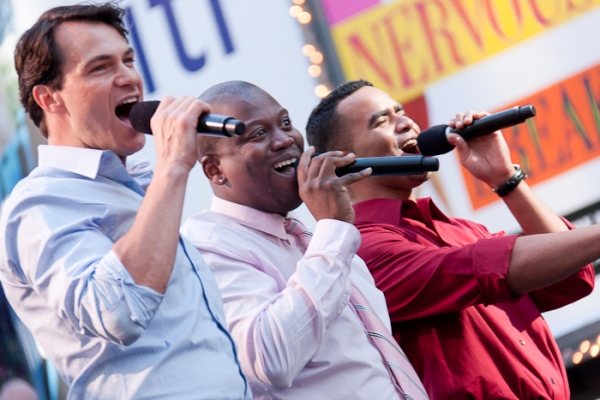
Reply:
x=124, y=108
x=410, y=147
x=287, y=167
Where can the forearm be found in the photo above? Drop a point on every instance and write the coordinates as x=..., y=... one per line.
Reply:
x=285, y=337
x=148, y=249
x=538, y=261
x=279, y=331
x=532, y=214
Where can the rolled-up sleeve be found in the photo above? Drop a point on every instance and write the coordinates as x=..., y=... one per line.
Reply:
x=424, y=280
x=61, y=250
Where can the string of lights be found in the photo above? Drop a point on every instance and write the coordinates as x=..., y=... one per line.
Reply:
x=299, y=11
x=587, y=349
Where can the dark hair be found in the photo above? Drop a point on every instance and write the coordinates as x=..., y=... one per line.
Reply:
x=323, y=126
x=37, y=57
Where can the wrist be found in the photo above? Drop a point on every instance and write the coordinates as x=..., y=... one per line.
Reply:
x=172, y=173
x=511, y=183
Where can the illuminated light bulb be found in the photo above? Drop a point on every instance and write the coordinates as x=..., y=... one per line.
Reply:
x=577, y=357
x=316, y=57
x=594, y=350
x=295, y=11
x=584, y=346
x=321, y=91
x=314, y=71
x=308, y=49
x=299, y=2
x=304, y=17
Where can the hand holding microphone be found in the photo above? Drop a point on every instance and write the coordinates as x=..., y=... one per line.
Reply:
x=434, y=141
x=208, y=124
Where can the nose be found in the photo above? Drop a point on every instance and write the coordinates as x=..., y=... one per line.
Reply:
x=127, y=75
x=404, y=124
x=281, y=140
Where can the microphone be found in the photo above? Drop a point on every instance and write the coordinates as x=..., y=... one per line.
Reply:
x=208, y=124
x=434, y=141
x=388, y=166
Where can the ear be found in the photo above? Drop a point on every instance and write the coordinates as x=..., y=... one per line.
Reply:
x=211, y=166
x=48, y=99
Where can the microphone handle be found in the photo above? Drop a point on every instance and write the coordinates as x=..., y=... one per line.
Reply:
x=220, y=125
x=493, y=122
x=388, y=166
x=208, y=124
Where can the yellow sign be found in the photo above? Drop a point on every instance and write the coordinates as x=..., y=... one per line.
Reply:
x=404, y=46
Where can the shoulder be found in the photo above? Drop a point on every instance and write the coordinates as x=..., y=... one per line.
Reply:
x=212, y=232
x=209, y=225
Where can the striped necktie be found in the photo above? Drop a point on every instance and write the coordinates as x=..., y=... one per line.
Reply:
x=403, y=375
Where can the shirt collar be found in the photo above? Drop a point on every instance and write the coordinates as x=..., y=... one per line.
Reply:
x=77, y=160
x=389, y=211
x=91, y=162
x=250, y=217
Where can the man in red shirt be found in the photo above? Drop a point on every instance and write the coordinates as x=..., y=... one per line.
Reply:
x=465, y=304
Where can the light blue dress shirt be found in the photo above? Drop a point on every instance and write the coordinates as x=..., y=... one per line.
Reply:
x=108, y=337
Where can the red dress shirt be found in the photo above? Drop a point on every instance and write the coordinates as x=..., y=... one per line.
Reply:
x=451, y=312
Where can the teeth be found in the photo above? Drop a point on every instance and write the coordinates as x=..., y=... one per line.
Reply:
x=129, y=100
x=409, y=144
x=284, y=163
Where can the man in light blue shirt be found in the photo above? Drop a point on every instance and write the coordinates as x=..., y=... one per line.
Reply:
x=90, y=253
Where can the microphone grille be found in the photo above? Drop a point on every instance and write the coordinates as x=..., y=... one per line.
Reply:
x=140, y=115
x=432, y=141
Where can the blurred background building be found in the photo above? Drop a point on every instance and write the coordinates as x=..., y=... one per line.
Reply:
x=436, y=57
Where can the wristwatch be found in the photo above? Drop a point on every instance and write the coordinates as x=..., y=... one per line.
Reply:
x=512, y=182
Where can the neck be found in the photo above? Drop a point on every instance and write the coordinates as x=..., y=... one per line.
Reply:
x=375, y=188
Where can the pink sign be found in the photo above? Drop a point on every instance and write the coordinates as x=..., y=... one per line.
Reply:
x=338, y=10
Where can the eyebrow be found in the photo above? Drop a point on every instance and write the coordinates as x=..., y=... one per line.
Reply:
x=383, y=113
x=103, y=57
x=261, y=119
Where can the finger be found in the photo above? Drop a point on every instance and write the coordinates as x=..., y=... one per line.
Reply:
x=198, y=107
x=171, y=106
x=333, y=161
x=164, y=103
x=330, y=164
x=460, y=143
x=317, y=164
x=354, y=177
x=194, y=109
x=480, y=114
x=468, y=118
x=304, y=163
x=456, y=122
x=344, y=161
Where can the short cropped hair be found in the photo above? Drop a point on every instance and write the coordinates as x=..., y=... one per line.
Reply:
x=323, y=126
x=37, y=57
x=217, y=96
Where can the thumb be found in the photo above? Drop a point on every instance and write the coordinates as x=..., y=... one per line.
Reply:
x=458, y=141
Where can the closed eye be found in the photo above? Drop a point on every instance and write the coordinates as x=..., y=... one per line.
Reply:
x=99, y=68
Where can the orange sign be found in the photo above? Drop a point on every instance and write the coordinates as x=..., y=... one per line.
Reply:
x=564, y=134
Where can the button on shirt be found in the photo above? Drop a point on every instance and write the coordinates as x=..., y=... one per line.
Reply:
x=287, y=306
x=108, y=337
x=444, y=281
